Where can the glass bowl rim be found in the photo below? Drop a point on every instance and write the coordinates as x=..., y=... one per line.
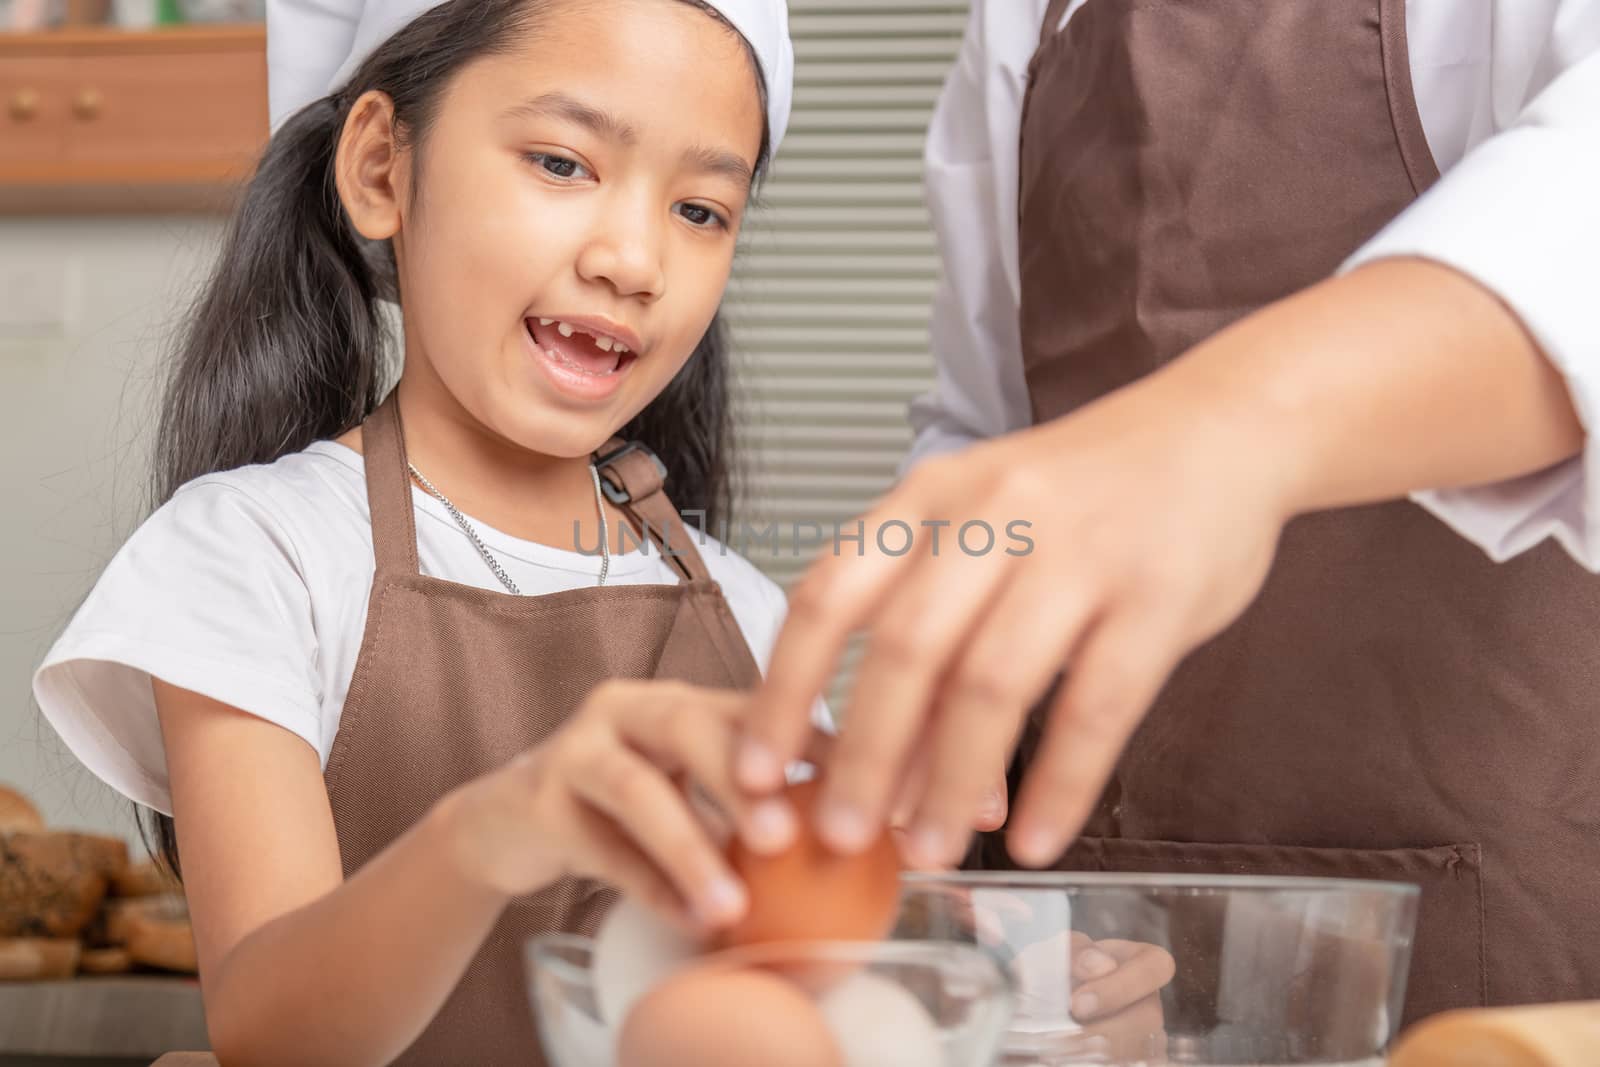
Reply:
x=542, y=953
x=1110, y=881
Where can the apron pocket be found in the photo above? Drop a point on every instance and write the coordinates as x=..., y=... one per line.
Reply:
x=1447, y=957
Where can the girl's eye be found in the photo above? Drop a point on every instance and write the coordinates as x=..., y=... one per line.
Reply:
x=696, y=215
x=558, y=166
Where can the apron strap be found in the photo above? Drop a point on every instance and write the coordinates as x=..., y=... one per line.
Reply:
x=394, y=530
x=1052, y=19
x=632, y=476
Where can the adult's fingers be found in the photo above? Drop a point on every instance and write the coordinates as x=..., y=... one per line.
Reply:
x=991, y=809
x=995, y=805
x=1014, y=653
x=656, y=817
x=832, y=600
x=919, y=629
x=1114, y=676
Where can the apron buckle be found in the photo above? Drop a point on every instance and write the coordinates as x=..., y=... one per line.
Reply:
x=615, y=484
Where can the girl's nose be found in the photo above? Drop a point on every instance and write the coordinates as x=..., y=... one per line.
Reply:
x=625, y=253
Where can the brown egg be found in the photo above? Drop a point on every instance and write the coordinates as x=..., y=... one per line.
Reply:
x=714, y=1017
x=811, y=893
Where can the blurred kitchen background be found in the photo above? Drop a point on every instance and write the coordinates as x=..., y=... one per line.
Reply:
x=123, y=127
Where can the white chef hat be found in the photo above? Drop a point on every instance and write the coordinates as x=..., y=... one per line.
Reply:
x=313, y=46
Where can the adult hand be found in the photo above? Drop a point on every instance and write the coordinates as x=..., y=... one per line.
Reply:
x=1152, y=518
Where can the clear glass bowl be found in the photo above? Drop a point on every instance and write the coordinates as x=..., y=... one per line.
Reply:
x=1263, y=971
x=962, y=989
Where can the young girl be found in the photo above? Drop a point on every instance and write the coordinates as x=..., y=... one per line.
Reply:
x=402, y=721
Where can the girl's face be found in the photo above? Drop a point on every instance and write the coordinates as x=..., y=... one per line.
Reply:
x=577, y=203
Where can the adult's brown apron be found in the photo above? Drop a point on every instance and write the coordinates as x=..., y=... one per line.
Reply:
x=453, y=681
x=1394, y=705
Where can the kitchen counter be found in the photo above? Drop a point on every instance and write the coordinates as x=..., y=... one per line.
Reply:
x=100, y=1022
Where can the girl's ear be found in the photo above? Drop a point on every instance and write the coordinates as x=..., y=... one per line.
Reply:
x=369, y=169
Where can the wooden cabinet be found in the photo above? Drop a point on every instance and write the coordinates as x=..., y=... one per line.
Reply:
x=101, y=119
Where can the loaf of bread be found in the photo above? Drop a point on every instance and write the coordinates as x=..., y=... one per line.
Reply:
x=164, y=943
x=122, y=914
x=144, y=879
x=155, y=931
x=1554, y=1035
x=105, y=961
x=52, y=882
x=54, y=888
x=17, y=812
x=38, y=958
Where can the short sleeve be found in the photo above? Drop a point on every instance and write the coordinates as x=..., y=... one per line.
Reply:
x=207, y=595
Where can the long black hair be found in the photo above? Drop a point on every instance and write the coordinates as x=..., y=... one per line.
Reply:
x=287, y=344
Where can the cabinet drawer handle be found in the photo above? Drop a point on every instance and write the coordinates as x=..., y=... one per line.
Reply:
x=24, y=104
x=87, y=104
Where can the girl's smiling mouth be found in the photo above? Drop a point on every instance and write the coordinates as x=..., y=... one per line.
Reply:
x=582, y=357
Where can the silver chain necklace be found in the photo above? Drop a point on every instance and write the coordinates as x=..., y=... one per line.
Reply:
x=488, y=557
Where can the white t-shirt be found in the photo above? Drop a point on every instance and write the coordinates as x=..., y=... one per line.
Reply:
x=251, y=587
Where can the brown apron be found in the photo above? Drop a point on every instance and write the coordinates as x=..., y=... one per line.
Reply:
x=1394, y=705
x=453, y=681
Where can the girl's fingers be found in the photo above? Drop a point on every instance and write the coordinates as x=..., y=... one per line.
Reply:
x=831, y=601
x=1087, y=961
x=655, y=816
x=1015, y=652
x=1137, y=971
x=1114, y=676
x=685, y=729
x=605, y=853
x=694, y=731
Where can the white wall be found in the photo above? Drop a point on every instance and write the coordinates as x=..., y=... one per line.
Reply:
x=86, y=311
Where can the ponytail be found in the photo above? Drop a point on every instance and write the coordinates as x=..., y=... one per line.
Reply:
x=285, y=345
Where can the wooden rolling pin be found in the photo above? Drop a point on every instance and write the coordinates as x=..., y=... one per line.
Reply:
x=1545, y=1035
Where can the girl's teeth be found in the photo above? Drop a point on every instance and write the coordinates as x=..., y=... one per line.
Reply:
x=604, y=344
x=580, y=368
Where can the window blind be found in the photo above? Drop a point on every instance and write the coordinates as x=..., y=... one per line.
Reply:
x=828, y=307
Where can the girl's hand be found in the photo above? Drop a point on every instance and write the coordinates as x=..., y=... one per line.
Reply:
x=1112, y=977
x=1117, y=998
x=1153, y=519
x=609, y=797
x=1115, y=994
